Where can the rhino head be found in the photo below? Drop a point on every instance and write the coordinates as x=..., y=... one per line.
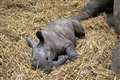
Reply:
x=41, y=53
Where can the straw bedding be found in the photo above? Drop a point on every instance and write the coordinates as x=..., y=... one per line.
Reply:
x=22, y=18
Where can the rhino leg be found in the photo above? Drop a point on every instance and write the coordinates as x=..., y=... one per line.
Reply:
x=61, y=60
x=79, y=31
x=117, y=16
x=94, y=8
x=116, y=58
x=71, y=53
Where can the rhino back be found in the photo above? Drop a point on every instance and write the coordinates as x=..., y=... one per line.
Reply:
x=63, y=28
x=59, y=34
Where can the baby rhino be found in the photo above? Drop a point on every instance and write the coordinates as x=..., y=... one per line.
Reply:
x=56, y=44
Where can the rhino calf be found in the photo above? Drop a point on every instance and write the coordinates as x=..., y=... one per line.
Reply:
x=56, y=44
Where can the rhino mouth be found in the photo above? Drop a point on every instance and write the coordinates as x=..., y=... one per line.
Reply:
x=35, y=65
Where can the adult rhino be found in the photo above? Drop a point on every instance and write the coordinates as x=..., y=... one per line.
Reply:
x=112, y=9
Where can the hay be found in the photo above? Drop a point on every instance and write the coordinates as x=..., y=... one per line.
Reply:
x=22, y=18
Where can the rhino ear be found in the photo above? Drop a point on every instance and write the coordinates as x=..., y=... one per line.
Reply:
x=40, y=36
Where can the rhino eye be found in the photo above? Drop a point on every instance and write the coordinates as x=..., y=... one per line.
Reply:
x=46, y=58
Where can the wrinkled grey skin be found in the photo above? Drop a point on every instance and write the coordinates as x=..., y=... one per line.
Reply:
x=112, y=8
x=56, y=44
